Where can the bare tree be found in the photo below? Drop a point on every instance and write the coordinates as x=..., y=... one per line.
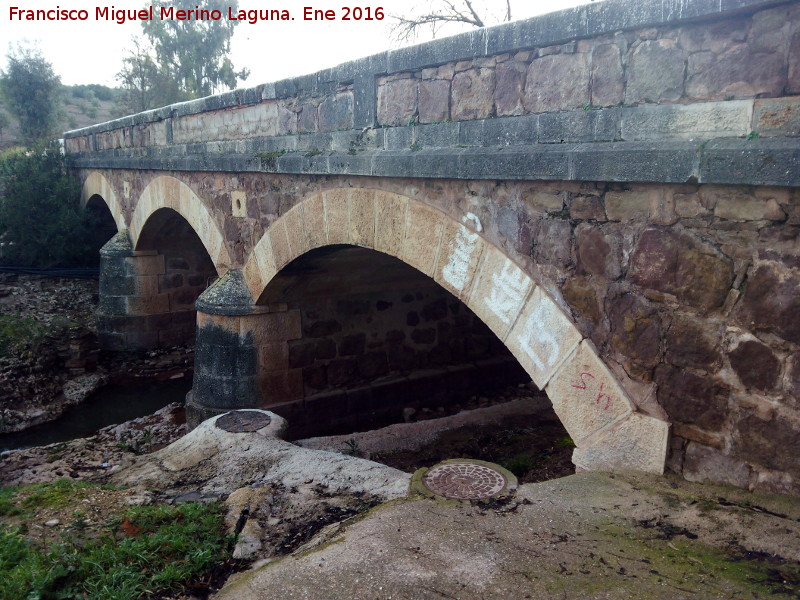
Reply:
x=433, y=16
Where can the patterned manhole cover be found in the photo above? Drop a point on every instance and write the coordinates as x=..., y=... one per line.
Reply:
x=243, y=421
x=464, y=480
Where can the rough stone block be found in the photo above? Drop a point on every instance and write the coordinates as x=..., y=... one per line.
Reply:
x=434, y=101
x=678, y=264
x=608, y=83
x=273, y=356
x=459, y=255
x=586, y=395
x=272, y=327
x=146, y=264
x=735, y=73
x=655, y=72
x=771, y=302
x=542, y=338
x=472, y=94
x=741, y=207
x=637, y=443
x=390, y=222
x=557, y=82
x=709, y=119
x=628, y=206
x=147, y=305
x=279, y=242
x=586, y=208
x=777, y=116
x=397, y=102
x=362, y=217
x=336, y=112
x=424, y=228
x=280, y=386
x=510, y=84
x=500, y=291
x=707, y=465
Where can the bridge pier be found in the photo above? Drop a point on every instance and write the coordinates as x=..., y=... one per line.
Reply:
x=241, y=353
x=136, y=309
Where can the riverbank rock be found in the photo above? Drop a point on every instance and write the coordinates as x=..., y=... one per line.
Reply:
x=214, y=461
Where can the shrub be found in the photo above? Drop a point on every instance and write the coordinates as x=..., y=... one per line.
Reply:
x=41, y=222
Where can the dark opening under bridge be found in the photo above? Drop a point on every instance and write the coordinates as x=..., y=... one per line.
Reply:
x=605, y=198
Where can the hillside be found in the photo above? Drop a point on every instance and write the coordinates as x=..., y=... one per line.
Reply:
x=82, y=105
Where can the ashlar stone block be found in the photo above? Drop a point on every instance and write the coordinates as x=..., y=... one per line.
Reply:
x=542, y=338
x=362, y=217
x=638, y=443
x=586, y=395
x=295, y=231
x=279, y=240
x=390, y=222
x=424, y=228
x=314, y=218
x=459, y=256
x=337, y=217
x=499, y=292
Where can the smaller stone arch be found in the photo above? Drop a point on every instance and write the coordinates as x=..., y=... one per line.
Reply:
x=97, y=185
x=602, y=420
x=168, y=192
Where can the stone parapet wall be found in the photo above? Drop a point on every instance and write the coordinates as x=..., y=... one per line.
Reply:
x=618, y=75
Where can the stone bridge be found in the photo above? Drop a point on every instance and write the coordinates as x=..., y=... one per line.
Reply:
x=604, y=200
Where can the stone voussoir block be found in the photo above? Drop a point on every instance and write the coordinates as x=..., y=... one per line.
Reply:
x=585, y=394
x=637, y=442
x=499, y=291
x=424, y=228
x=542, y=337
x=459, y=256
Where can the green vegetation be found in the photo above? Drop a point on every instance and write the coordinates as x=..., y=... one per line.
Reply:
x=41, y=222
x=140, y=552
x=180, y=60
x=19, y=333
x=30, y=89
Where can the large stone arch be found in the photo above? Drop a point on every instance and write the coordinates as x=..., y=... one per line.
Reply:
x=608, y=431
x=97, y=185
x=168, y=192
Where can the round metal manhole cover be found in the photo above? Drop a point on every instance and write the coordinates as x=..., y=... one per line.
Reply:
x=464, y=480
x=243, y=421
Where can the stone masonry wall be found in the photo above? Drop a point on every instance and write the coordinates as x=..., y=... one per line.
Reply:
x=756, y=57
x=688, y=291
x=638, y=159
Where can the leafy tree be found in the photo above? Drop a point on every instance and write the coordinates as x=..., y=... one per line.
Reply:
x=195, y=51
x=41, y=222
x=145, y=83
x=3, y=121
x=31, y=91
x=440, y=13
x=180, y=59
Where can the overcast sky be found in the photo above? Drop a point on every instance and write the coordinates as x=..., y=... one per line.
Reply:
x=91, y=51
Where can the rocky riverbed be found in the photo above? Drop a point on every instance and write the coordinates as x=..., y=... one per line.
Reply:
x=50, y=360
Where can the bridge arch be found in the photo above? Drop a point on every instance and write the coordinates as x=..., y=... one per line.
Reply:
x=608, y=431
x=96, y=185
x=166, y=192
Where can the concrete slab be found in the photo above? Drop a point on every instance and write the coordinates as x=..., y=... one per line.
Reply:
x=588, y=536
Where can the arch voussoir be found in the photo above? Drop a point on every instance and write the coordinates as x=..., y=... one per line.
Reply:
x=97, y=185
x=168, y=192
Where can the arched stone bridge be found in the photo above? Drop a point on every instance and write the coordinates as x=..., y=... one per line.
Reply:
x=603, y=199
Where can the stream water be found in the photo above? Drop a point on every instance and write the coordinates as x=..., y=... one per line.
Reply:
x=111, y=405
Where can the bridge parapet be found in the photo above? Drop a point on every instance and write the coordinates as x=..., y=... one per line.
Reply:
x=621, y=90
